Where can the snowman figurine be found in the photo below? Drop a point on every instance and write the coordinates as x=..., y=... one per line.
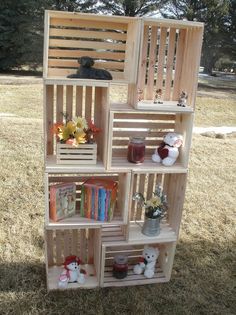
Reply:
x=71, y=272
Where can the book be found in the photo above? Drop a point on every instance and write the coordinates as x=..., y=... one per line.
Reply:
x=62, y=201
x=99, y=198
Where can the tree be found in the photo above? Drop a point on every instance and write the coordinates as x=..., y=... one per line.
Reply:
x=213, y=13
x=21, y=28
x=131, y=7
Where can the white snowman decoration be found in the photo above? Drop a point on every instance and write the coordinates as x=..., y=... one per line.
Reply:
x=168, y=152
x=71, y=272
x=147, y=262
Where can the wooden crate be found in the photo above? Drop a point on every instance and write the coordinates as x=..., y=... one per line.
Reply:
x=114, y=233
x=134, y=252
x=126, y=122
x=169, y=60
x=83, y=154
x=88, y=100
x=121, y=208
x=84, y=243
x=112, y=41
x=174, y=187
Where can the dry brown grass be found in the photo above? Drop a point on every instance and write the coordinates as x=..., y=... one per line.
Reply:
x=202, y=279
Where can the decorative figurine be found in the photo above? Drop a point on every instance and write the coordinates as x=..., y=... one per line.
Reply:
x=147, y=262
x=120, y=267
x=182, y=99
x=168, y=151
x=140, y=95
x=71, y=272
x=158, y=95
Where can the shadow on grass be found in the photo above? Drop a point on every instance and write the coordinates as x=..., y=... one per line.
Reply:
x=201, y=283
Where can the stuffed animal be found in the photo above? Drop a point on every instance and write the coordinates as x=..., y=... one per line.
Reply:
x=147, y=262
x=168, y=151
x=71, y=272
x=86, y=71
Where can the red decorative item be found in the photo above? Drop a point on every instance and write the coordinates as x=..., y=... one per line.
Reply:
x=136, y=150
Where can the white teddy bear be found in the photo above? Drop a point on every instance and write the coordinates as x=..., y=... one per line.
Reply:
x=71, y=272
x=168, y=151
x=148, y=262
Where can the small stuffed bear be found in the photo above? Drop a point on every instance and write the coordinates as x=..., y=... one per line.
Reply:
x=86, y=71
x=168, y=151
x=147, y=262
x=71, y=272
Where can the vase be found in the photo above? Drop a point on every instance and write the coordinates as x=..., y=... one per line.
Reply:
x=151, y=227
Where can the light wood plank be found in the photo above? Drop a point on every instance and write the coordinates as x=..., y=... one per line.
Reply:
x=170, y=63
x=161, y=58
x=152, y=63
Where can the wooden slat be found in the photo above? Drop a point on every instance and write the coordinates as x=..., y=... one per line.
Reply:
x=49, y=115
x=93, y=24
x=69, y=53
x=170, y=63
x=178, y=64
x=66, y=63
x=79, y=101
x=60, y=32
x=88, y=102
x=85, y=44
x=59, y=243
x=59, y=104
x=141, y=189
x=142, y=116
x=143, y=65
x=69, y=100
x=161, y=58
x=83, y=245
x=49, y=246
x=152, y=63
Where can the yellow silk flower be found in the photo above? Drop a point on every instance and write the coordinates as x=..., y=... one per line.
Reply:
x=80, y=137
x=154, y=202
x=66, y=131
x=81, y=123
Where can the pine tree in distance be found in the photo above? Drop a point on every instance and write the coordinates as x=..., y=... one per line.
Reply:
x=130, y=7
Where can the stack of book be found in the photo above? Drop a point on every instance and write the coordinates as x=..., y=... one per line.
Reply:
x=98, y=198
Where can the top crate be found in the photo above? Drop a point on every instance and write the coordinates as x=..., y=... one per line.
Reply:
x=169, y=60
x=112, y=41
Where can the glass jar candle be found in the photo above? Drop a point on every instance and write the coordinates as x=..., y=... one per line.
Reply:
x=136, y=150
x=120, y=267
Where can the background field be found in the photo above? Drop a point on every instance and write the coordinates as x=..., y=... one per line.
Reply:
x=203, y=277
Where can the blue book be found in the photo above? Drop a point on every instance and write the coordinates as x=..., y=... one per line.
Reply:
x=102, y=204
x=93, y=204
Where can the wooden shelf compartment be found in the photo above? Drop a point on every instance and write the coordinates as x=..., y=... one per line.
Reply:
x=84, y=243
x=153, y=126
x=134, y=252
x=112, y=41
x=114, y=233
x=169, y=60
x=90, y=102
x=120, y=216
x=174, y=186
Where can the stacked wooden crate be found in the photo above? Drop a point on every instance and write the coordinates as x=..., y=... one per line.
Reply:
x=141, y=53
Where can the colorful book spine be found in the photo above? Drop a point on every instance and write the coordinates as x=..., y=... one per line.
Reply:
x=96, y=204
x=102, y=197
x=93, y=203
x=82, y=201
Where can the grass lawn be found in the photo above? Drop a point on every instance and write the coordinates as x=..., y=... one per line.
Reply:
x=203, y=277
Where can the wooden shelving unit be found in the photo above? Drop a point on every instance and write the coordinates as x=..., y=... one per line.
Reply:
x=143, y=54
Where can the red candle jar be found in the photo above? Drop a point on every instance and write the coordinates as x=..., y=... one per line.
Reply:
x=120, y=267
x=136, y=150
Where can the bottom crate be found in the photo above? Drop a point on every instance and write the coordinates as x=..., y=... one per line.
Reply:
x=84, y=243
x=163, y=265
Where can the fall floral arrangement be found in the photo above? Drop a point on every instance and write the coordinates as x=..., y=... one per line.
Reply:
x=76, y=131
x=156, y=206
